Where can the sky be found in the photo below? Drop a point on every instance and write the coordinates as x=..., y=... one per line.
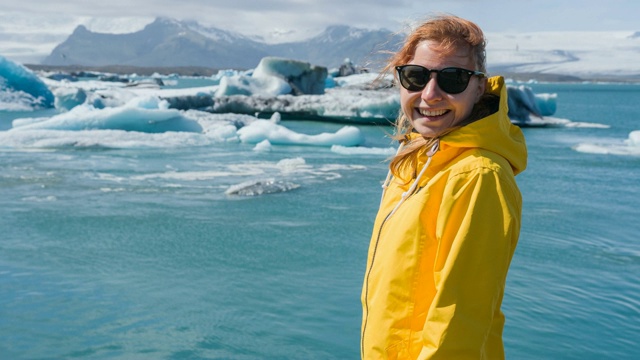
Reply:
x=39, y=25
x=252, y=17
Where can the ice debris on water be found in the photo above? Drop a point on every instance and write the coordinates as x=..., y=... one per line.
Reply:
x=260, y=187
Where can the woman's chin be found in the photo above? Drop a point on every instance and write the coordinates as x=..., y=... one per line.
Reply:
x=428, y=127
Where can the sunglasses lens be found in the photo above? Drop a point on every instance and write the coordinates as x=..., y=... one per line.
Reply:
x=450, y=80
x=413, y=78
x=453, y=80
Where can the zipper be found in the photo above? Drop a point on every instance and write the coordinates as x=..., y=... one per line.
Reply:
x=366, y=291
x=373, y=258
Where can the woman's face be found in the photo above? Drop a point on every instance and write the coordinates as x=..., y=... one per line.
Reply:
x=432, y=110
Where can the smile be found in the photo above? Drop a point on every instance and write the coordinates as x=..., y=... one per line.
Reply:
x=432, y=112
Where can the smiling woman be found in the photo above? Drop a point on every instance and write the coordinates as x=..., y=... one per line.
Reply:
x=437, y=264
x=435, y=106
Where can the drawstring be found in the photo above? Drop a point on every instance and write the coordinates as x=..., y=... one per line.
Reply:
x=406, y=194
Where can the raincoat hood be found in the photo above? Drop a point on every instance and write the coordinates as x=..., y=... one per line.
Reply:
x=495, y=132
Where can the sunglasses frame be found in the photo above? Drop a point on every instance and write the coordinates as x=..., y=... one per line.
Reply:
x=443, y=86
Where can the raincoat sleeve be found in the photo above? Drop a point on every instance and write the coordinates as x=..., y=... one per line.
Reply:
x=477, y=230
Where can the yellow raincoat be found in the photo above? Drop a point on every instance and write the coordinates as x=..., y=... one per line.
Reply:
x=437, y=267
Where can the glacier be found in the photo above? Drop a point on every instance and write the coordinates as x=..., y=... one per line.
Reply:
x=607, y=55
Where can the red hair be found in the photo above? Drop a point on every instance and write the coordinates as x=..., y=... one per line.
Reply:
x=450, y=33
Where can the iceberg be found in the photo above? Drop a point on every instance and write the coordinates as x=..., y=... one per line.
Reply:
x=149, y=115
x=21, y=89
x=68, y=98
x=342, y=105
x=303, y=77
x=272, y=77
x=261, y=130
x=523, y=104
x=249, y=85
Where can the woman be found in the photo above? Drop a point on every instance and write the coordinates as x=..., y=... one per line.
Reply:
x=449, y=218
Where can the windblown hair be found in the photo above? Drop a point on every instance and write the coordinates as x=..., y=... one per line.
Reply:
x=451, y=33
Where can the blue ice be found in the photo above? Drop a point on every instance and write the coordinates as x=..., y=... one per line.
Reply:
x=21, y=89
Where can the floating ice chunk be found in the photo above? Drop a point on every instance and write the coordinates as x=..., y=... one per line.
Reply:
x=260, y=187
x=523, y=103
x=546, y=103
x=629, y=147
x=217, y=77
x=247, y=85
x=261, y=130
x=357, y=150
x=303, y=77
x=343, y=104
x=24, y=84
x=362, y=80
x=275, y=117
x=98, y=139
x=292, y=165
x=69, y=97
x=16, y=101
x=147, y=115
x=263, y=146
x=220, y=127
x=330, y=82
x=634, y=138
x=148, y=102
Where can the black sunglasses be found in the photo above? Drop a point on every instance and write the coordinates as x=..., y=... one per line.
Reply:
x=451, y=80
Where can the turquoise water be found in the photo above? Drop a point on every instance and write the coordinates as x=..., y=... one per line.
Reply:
x=138, y=253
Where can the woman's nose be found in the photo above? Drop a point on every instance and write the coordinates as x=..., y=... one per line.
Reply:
x=432, y=91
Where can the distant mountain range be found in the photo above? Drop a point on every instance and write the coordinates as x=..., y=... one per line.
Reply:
x=187, y=47
x=172, y=43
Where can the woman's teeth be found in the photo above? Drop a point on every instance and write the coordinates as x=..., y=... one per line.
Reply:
x=431, y=112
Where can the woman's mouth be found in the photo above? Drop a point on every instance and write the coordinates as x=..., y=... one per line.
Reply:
x=432, y=113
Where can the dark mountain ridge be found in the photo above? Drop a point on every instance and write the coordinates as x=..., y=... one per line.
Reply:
x=171, y=43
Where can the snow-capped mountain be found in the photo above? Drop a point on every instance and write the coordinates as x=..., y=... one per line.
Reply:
x=164, y=42
x=167, y=42
x=337, y=43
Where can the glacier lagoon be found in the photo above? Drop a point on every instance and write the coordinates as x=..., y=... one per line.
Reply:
x=124, y=235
